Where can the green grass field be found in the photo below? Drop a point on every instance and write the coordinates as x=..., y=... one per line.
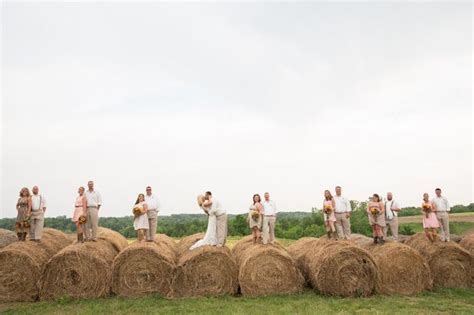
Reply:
x=452, y=301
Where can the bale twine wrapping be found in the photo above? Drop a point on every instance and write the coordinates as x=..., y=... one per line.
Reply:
x=468, y=243
x=7, y=237
x=186, y=242
x=22, y=263
x=298, y=251
x=401, y=269
x=341, y=268
x=206, y=271
x=144, y=268
x=450, y=264
x=82, y=270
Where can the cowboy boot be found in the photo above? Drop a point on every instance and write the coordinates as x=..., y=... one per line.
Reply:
x=329, y=235
x=80, y=238
x=376, y=239
x=18, y=235
x=381, y=240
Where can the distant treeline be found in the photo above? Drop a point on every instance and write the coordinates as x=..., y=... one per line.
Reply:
x=290, y=225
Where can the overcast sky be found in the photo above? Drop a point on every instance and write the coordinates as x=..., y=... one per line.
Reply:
x=237, y=99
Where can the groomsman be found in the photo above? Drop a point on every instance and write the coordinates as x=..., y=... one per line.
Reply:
x=343, y=215
x=392, y=207
x=38, y=208
x=269, y=219
x=94, y=202
x=442, y=209
x=221, y=218
x=153, y=208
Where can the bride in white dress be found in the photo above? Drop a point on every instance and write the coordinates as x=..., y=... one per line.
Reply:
x=211, y=234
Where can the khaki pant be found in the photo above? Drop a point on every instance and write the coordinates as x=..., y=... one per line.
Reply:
x=36, y=225
x=393, y=225
x=268, y=229
x=221, y=222
x=343, y=226
x=92, y=223
x=153, y=223
x=443, y=220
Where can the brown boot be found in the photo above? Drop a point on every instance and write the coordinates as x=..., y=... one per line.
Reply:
x=80, y=238
x=19, y=235
x=328, y=234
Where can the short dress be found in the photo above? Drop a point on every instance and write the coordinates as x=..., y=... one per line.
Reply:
x=255, y=222
x=378, y=219
x=141, y=222
x=331, y=216
x=78, y=209
x=22, y=206
x=430, y=222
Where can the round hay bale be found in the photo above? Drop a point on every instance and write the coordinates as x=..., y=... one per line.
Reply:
x=206, y=271
x=144, y=268
x=360, y=239
x=22, y=263
x=401, y=269
x=468, y=243
x=166, y=241
x=113, y=237
x=267, y=269
x=186, y=242
x=341, y=269
x=7, y=237
x=243, y=244
x=450, y=264
x=298, y=251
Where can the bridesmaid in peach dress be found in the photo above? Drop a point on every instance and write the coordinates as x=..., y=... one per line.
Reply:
x=80, y=213
x=329, y=217
x=430, y=221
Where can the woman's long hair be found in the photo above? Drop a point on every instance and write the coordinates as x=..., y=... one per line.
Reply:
x=138, y=198
x=259, y=199
x=376, y=196
x=24, y=189
x=328, y=193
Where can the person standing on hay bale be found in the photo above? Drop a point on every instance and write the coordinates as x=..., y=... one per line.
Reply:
x=328, y=212
x=442, y=210
x=141, y=222
x=210, y=238
x=79, y=216
x=255, y=217
x=392, y=208
x=269, y=219
x=94, y=202
x=215, y=208
x=23, y=207
x=153, y=208
x=430, y=222
x=38, y=207
x=375, y=211
x=343, y=215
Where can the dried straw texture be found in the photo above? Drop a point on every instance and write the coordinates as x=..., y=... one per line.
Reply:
x=266, y=269
x=340, y=268
x=401, y=269
x=186, y=242
x=7, y=237
x=298, y=251
x=22, y=263
x=360, y=239
x=82, y=270
x=167, y=244
x=451, y=265
x=206, y=271
x=144, y=268
x=468, y=243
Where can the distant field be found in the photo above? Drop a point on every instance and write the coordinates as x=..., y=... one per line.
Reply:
x=453, y=217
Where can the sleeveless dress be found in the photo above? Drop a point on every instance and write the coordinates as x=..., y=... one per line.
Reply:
x=211, y=234
x=331, y=216
x=431, y=221
x=378, y=219
x=254, y=222
x=22, y=206
x=141, y=222
x=78, y=209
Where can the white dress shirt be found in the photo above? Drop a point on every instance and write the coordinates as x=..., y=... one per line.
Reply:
x=342, y=204
x=152, y=202
x=269, y=208
x=93, y=198
x=216, y=208
x=389, y=205
x=37, y=202
x=441, y=203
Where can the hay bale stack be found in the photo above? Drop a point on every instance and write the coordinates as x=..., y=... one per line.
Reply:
x=450, y=264
x=186, y=242
x=167, y=243
x=401, y=269
x=360, y=239
x=144, y=268
x=341, y=269
x=82, y=270
x=468, y=243
x=206, y=271
x=22, y=263
x=266, y=269
x=7, y=237
x=298, y=251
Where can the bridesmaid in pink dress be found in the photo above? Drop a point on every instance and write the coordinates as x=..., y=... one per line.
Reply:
x=430, y=221
x=329, y=204
x=80, y=209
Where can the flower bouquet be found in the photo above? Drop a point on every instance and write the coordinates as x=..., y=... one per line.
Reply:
x=374, y=210
x=138, y=211
x=82, y=219
x=254, y=214
x=426, y=209
x=328, y=209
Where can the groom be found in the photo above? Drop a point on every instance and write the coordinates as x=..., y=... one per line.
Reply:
x=221, y=217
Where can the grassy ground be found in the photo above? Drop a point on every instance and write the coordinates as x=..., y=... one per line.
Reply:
x=452, y=301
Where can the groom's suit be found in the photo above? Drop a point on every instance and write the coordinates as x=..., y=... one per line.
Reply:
x=221, y=221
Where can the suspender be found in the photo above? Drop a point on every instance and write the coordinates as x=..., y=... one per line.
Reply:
x=391, y=204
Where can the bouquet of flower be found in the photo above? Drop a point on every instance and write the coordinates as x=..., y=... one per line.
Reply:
x=138, y=211
x=82, y=219
x=327, y=209
x=254, y=214
x=374, y=210
x=426, y=209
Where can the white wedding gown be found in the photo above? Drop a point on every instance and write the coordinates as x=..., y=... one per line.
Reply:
x=211, y=234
